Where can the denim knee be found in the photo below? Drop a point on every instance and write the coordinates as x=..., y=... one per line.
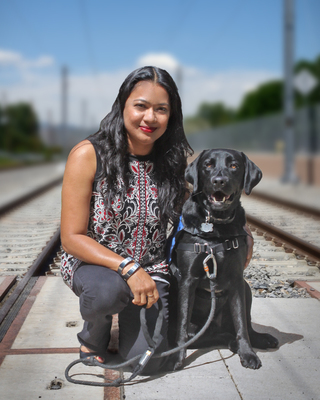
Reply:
x=101, y=291
x=110, y=297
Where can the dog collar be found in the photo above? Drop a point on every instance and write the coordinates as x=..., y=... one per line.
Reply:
x=210, y=221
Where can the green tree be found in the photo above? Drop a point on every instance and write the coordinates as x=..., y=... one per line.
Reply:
x=209, y=115
x=266, y=99
x=20, y=129
x=216, y=114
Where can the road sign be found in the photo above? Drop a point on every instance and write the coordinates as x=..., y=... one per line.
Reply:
x=305, y=82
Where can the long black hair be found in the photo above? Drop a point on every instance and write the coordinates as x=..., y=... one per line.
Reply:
x=172, y=148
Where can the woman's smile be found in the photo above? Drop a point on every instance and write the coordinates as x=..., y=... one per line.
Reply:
x=147, y=129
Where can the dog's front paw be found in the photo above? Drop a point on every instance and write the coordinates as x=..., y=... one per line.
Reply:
x=250, y=360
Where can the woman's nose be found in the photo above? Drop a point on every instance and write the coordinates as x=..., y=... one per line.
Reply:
x=149, y=114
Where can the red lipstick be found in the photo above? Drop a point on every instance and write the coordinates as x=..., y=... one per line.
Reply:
x=147, y=129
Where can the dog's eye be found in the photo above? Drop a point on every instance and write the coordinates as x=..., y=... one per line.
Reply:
x=234, y=166
x=210, y=164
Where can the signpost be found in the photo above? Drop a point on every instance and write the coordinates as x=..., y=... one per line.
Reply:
x=289, y=174
x=305, y=82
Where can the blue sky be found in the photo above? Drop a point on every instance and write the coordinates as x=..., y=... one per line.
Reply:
x=224, y=48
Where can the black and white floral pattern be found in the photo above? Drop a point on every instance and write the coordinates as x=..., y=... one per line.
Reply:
x=131, y=226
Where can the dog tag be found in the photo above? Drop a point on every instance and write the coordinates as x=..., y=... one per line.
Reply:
x=206, y=227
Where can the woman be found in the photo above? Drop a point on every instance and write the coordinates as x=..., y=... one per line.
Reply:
x=121, y=188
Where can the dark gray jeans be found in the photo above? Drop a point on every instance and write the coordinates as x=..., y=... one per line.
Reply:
x=102, y=293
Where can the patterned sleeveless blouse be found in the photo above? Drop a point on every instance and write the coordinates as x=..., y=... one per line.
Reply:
x=131, y=226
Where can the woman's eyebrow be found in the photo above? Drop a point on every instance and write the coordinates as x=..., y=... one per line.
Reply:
x=146, y=101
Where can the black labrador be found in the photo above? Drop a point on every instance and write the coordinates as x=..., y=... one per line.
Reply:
x=213, y=228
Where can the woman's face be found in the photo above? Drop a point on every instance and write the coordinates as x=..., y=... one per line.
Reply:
x=146, y=114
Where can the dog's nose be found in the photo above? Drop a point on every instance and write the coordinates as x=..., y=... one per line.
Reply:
x=219, y=181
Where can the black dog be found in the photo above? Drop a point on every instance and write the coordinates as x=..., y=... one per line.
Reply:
x=214, y=221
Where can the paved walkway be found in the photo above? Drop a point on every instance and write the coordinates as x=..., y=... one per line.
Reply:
x=302, y=194
x=42, y=342
x=18, y=182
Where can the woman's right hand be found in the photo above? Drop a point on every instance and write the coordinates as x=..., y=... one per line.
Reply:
x=143, y=287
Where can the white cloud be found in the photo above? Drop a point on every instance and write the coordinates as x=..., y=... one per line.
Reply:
x=14, y=59
x=161, y=60
x=99, y=92
x=228, y=87
x=9, y=58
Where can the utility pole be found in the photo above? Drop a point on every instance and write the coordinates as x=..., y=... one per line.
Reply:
x=289, y=174
x=64, y=110
x=179, y=78
x=84, y=108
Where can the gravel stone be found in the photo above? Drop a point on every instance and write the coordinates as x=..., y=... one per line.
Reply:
x=262, y=285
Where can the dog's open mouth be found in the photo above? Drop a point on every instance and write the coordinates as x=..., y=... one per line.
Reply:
x=220, y=198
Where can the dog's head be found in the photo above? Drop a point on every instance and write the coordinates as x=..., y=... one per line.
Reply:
x=220, y=175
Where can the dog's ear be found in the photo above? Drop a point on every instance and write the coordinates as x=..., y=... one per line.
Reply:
x=191, y=174
x=252, y=175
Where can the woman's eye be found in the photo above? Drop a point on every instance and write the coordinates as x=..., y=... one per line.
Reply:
x=163, y=109
x=140, y=105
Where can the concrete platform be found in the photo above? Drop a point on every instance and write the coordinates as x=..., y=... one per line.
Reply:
x=16, y=183
x=42, y=342
x=302, y=194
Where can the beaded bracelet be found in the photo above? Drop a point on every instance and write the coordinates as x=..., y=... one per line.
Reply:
x=131, y=271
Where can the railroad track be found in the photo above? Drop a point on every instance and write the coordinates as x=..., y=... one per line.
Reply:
x=29, y=239
x=294, y=226
x=287, y=245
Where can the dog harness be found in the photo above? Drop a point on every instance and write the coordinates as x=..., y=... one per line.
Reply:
x=198, y=248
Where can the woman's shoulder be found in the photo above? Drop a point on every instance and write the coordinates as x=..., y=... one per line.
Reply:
x=83, y=149
x=83, y=157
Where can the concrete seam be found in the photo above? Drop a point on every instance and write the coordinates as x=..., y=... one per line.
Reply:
x=227, y=367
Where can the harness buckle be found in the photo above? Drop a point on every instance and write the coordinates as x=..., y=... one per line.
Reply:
x=228, y=244
x=235, y=243
x=197, y=248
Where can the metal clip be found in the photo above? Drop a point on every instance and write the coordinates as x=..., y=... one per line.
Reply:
x=206, y=248
x=197, y=248
x=235, y=243
x=228, y=244
x=206, y=268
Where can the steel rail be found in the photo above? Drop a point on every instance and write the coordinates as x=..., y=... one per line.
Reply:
x=287, y=203
x=313, y=252
x=28, y=196
x=41, y=261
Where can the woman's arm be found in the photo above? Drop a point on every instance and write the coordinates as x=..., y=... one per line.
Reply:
x=250, y=245
x=76, y=195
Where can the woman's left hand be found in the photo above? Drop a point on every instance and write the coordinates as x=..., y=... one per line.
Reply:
x=250, y=245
